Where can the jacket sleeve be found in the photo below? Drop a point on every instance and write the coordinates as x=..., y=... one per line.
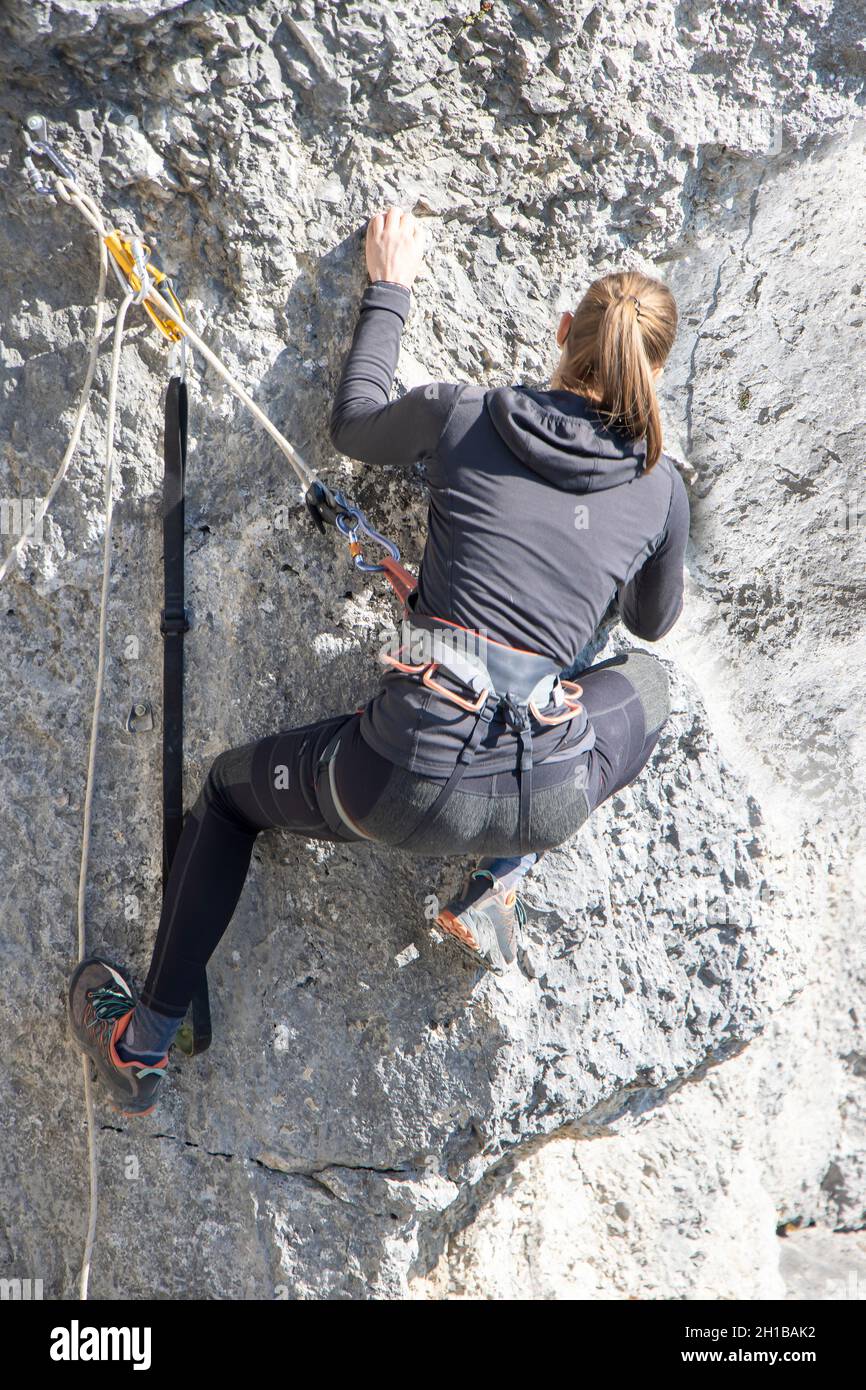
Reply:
x=365, y=423
x=651, y=602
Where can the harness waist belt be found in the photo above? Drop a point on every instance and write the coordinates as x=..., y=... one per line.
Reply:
x=481, y=663
x=519, y=684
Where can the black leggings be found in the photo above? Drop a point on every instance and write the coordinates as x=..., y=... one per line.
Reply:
x=269, y=784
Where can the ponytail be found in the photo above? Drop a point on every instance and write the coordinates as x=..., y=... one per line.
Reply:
x=623, y=328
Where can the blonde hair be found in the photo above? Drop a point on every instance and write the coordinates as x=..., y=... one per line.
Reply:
x=623, y=327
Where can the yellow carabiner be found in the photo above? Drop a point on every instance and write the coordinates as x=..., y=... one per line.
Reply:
x=121, y=249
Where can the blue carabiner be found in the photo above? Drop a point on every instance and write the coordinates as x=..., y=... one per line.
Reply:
x=351, y=522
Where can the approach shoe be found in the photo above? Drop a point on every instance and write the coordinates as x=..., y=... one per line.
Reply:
x=484, y=921
x=100, y=1004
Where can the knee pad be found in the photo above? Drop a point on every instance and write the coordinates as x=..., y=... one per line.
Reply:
x=652, y=685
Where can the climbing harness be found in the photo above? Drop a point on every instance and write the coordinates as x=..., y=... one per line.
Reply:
x=145, y=284
x=328, y=798
x=519, y=686
x=485, y=679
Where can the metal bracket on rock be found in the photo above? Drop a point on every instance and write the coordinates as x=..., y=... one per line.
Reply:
x=35, y=130
x=140, y=718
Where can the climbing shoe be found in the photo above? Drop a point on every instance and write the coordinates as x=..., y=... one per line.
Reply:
x=100, y=1004
x=484, y=921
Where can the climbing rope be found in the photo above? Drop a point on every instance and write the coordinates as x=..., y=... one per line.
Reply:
x=91, y=768
x=323, y=504
x=139, y=280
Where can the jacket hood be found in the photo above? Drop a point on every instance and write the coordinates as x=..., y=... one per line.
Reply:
x=561, y=437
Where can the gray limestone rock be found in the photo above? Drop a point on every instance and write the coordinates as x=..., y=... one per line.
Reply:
x=680, y=1048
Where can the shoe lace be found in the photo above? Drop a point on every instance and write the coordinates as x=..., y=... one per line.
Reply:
x=110, y=1003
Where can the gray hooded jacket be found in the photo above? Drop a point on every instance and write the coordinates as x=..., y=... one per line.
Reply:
x=539, y=516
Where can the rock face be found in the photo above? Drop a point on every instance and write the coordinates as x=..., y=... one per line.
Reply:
x=372, y=1121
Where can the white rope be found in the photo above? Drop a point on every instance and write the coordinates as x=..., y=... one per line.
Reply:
x=69, y=192
x=103, y=607
x=91, y=769
x=305, y=474
x=93, y=1173
x=90, y=211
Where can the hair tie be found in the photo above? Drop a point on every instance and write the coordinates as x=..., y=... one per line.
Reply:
x=636, y=302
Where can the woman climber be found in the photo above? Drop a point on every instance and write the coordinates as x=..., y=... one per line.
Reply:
x=551, y=514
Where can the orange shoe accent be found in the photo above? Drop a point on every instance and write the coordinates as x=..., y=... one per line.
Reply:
x=451, y=924
x=509, y=898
